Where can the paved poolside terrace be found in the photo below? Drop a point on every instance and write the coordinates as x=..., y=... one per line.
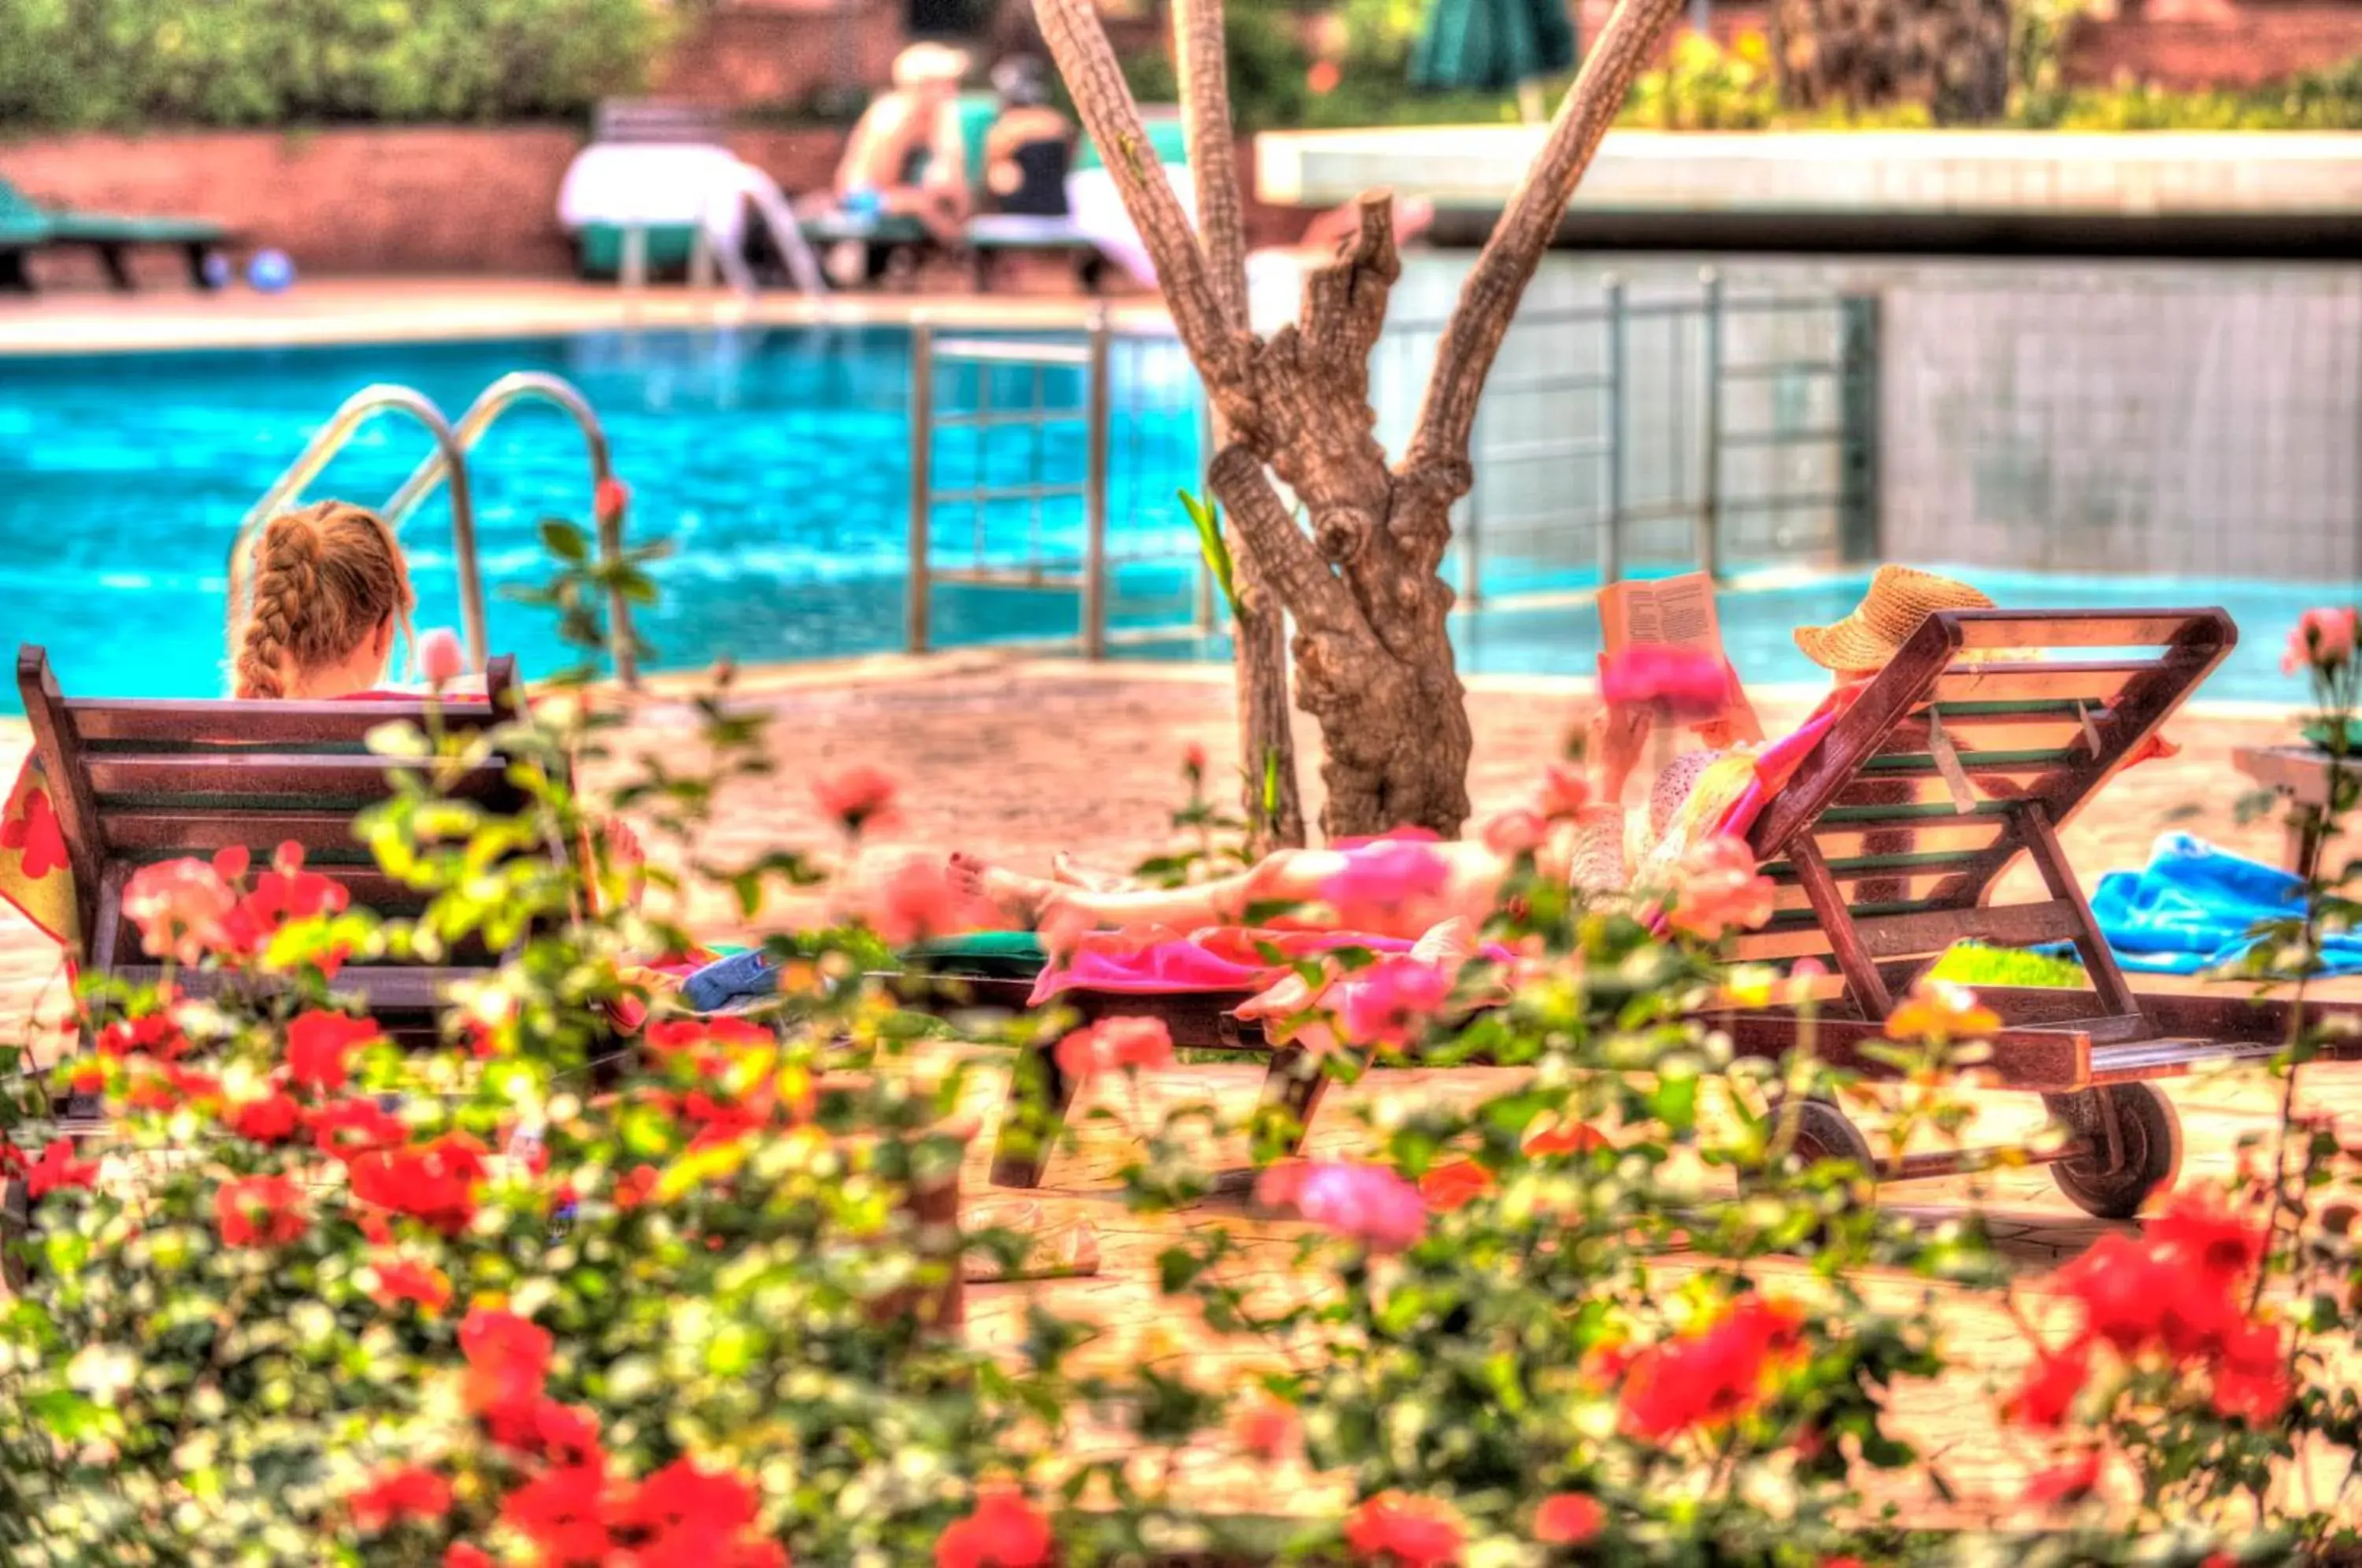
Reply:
x=1022, y=756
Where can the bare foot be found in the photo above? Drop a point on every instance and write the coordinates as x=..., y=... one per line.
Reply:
x=1065, y=869
x=1020, y=898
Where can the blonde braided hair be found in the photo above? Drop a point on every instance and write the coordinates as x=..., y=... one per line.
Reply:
x=323, y=578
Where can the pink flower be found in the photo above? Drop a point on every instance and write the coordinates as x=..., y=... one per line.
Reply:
x=1390, y=1002
x=180, y=907
x=911, y=901
x=1370, y=1203
x=1515, y=832
x=2324, y=639
x=1719, y=889
x=1266, y=1428
x=610, y=497
x=859, y=798
x=1193, y=761
x=440, y=660
x=1685, y=685
x=1380, y=878
x=1115, y=1042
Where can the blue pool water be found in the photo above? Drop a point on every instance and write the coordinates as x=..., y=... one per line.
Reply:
x=778, y=463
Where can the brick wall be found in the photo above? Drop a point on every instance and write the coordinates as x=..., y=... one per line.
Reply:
x=784, y=53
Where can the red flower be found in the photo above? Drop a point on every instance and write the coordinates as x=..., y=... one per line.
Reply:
x=508, y=1361
x=1454, y=1185
x=317, y=1043
x=273, y=1119
x=1115, y=1042
x=1709, y=1377
x=2069, y=1482
x=1193, y=761
x=1267, y=1427
x=392, y=1496
x=1004, y=1532
x=681, y=1517
x=683, y=1037
x=284, y=893
x=2251, y=1381
x=608, y=497
x=34, y=834
x=260, y=1211
x=1569, y=1519
x=2324, y=638
x=2125, y=1293
x=1405, y=1531
x=2197, y=1228
x=563, y=1512
x=56, y=1170
x=1321, y=77
x=434, y=1182
x=859, y=798
x=911, y=901
x=635, y=1186
x=2051, y=1386
x=463, y=1555
x=345, y=1128
x=151, y=1035
x=1571, y=1138
x=423, y=1284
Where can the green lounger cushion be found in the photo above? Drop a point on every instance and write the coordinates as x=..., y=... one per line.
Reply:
x=986, y=954
x=603, y=248
x=109, y=228
x=830, y=228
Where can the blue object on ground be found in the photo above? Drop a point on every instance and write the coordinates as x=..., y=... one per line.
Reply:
x=728, y=980
x=2195, y=907
x=270, y=271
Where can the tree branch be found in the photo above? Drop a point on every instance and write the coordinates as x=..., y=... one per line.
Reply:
x=1198, y=54
x=1079, y=44
x=1286, y=555
x=1490, y=295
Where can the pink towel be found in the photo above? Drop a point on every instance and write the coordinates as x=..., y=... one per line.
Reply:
x=1219, y=959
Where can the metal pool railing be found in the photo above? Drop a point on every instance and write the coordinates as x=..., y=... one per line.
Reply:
x=1701, y=430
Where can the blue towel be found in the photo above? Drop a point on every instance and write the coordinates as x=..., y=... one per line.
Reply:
x=737, y=978
x=2195, y=907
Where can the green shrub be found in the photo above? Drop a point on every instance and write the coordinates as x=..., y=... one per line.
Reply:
x=90, y=64
x=1267, y=65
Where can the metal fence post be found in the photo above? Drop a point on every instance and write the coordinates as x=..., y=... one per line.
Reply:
x=922, y=449
x=1709, y=535
x=1095, y=488
x=1611, y=527
x=1857, y=521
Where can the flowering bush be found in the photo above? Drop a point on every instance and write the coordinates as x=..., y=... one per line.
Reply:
x=521, y=1296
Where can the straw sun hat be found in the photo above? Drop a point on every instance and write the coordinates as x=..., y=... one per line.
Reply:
x=1898, y=600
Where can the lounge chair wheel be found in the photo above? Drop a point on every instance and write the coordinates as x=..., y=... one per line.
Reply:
x=1825, y=1132
x=2148, y=1138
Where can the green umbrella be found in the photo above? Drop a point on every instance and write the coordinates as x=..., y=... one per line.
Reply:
x=1487, y=44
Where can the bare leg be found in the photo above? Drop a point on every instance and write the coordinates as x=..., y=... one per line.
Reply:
x=1283, y=877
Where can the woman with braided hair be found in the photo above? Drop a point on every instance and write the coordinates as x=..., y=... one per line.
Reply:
x=315, y=604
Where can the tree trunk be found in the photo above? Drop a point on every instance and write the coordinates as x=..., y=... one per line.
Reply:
x=1373, y=660
x=1953, y=56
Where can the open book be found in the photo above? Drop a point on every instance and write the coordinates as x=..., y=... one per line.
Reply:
x=1675, y=612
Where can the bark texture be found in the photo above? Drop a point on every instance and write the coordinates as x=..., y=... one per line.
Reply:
x=1373, y=662
x=1259, y=623
x=1950, y=55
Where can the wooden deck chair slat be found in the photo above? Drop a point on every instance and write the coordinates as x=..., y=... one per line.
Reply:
x=201, y=777
x=1933, y=889
x=2086, y=680
x=1901, y=797
x=247, y=726
x=1931, y=835
x=139, y=831
x=70, y=793
x=2079, y=629
x=1909, y=863
x=1982, y=735
x=1936, y=931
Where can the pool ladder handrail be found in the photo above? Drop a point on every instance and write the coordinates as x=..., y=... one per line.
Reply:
x=385, y=397
x=522, y=386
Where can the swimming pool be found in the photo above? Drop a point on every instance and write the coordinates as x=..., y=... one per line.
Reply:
x=775, y=459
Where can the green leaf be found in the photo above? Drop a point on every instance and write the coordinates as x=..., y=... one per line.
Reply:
x=1208, y=519
x=564, y=540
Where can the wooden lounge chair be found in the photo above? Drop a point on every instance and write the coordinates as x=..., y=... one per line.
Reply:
x=27, y=226
x=134, y=782
x=1887, y=844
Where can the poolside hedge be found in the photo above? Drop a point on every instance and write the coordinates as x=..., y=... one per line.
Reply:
x=122, y=64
